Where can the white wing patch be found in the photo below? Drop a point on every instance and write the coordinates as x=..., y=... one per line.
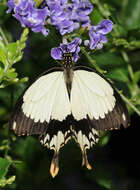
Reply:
x=90, y=95
x=84, y=141
x=56, y=142
x=47, y=98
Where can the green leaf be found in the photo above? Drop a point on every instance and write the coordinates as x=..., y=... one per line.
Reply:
x=12, y=51
x=119, y=31
x=9, y=55
x=119, y=74
x=104, y=139
x=105, y=183
x=2, y=52
x=24, y=79
x=2, y=43
x=2, y=112
x=136, y=77
x=11, y=74
x=4, y=165
x=132, y=14
x=95, y=16
x=9, y=82
x=3, y=7
x=18, y=57
x=109, y=59
x=24, y=37
x=1, y=70
x=28, y=148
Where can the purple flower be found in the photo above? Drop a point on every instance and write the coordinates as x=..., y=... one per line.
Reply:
x=11, y=5
x=97, y=34
x=104, y=27
x=80, y=10
x=59, y=16
x=30, y=16
x=72, y=47
x=67, y=16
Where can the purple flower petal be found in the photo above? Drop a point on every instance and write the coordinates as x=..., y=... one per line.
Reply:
x=85, y=7
x=99, y=46
x=86, y=42
x=94, y=39
x=103, y=38
x=64, y=48
x=65, y=26
x=72, y=47
x=76, y=56
x=11, y=5
x=97, y=34
x=104, y=27
x=56, y=53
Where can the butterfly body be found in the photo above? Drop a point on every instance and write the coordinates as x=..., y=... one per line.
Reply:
x=69, y=101
x=68, y=66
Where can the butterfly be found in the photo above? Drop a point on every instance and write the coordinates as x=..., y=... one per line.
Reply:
x=69, y=102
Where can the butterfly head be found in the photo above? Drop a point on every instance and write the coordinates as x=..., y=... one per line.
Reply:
x=67, y=61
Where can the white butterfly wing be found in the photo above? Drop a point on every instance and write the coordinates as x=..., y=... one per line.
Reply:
x=91, y=95
x=45, y=100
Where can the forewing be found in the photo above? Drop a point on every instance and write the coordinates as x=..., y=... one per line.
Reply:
x=44, y=101
x=94, y=99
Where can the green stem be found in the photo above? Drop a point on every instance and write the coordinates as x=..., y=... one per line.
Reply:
x=123, y=8
x=129, y=103
x=92, y=61
x=126, y=59
x=3, y=36
x=131, y=72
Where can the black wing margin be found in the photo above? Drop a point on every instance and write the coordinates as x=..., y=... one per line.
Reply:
x=115, y=119
x=23, y=125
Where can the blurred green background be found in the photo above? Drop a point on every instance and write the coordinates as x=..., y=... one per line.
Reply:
x=24, y=163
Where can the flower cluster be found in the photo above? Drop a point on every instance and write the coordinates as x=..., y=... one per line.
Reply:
x=97, y=34
x=27, y=13
x=66, y=16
